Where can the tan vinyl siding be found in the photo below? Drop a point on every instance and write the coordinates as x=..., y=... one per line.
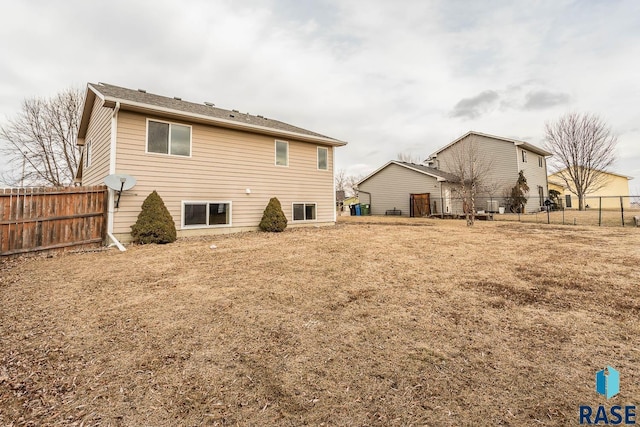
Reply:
x=99, y=133
x=223, y=164
x=392, y=186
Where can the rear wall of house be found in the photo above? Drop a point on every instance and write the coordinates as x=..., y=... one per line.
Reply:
x=392, y=186
x=224, y=166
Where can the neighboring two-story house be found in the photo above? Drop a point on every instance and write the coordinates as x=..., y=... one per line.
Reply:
x=505, y=158
x=215, y=169
x=419, y=190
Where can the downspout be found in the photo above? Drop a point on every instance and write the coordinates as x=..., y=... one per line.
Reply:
x=112, y=170
x=441, y=202
x=335, y=199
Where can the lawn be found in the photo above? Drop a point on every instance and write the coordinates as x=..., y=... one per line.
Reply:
x=589, y=217
x=375, y=321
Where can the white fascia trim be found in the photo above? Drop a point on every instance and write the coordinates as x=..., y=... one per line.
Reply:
x=438, y=178
x=228, y=123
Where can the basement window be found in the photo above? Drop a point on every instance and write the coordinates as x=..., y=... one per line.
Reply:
x=304, y=211
x=206, y=214
x=168, y=138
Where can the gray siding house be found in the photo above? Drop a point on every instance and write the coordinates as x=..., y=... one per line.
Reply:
x=428, y=189
x=414, y=190
x=506, y=158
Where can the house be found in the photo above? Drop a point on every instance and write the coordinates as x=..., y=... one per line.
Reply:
x=411, y=187
x=608, y=190
x=215, y=169
x=406, y=189
x=504, y=158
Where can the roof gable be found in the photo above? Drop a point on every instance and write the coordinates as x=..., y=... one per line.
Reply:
x=142, y=101
x=560, y=173
x=523, y=144
x=425, y=170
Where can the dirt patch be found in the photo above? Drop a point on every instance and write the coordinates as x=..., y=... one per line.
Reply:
x=359, y=324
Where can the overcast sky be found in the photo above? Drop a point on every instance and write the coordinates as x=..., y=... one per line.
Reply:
x=387, y=77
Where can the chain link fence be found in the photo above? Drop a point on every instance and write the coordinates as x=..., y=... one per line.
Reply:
x=605, y=211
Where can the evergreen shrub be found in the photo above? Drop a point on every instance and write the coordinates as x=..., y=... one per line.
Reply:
x=273, y=218
x=154, y=224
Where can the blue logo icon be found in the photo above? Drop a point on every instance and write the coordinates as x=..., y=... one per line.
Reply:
x=608, y=382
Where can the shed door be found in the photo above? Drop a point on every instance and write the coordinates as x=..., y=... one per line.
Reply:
x=419, y=205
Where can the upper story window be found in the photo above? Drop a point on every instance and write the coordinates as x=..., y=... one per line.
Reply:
x=323, y=158
x=87, y=154
x=524, y=156
x=540, y=161
x=168, y=138
x=282, y=153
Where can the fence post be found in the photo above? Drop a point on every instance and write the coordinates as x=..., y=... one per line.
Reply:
x=622, y=210
x=599, y=211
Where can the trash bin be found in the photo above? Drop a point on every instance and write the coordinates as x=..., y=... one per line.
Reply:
x=365, y=209
x=358, y=209
x=501, y=210
x=352, y=209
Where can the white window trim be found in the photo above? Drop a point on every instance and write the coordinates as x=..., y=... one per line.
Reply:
x=275, y=153
x=87, y=155
x=305, y=205
x=146, y=139
x=205, y=202
x=318, y=158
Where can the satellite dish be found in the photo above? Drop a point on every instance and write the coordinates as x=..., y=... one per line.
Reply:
x=119, y=182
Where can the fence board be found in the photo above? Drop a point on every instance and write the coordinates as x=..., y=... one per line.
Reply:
x=40, y=219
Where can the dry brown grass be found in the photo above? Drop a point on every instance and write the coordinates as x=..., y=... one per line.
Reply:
x=377, y=321
x=589, y=217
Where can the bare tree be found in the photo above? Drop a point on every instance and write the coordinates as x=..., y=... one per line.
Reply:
x=40, y=142
x=583, y=147
x=341, y=180
x=352, y=184
x=409, y=158
x=471, y=168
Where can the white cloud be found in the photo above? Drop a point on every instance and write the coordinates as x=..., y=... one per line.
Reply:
x=384, y=77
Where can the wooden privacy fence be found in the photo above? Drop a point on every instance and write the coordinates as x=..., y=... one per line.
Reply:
x=46, y=218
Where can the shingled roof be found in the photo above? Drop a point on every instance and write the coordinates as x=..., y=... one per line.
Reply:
x=140, y=100
x=435, y=173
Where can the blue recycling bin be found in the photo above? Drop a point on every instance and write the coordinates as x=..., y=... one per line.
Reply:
x=358, y=211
